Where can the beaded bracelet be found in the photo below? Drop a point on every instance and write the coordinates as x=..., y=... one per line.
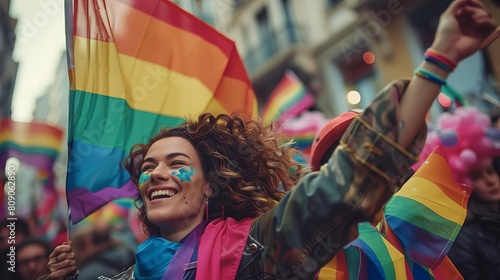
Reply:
x=430, y=76
x=441, y=57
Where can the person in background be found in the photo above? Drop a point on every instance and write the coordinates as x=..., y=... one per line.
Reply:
x=21, y=229
x=11, y=234
x=32, y=257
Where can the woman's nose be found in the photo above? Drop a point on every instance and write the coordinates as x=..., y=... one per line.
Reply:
x=160, y=173
x=491, y=178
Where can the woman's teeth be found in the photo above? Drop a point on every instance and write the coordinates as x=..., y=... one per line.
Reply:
x=162, y=194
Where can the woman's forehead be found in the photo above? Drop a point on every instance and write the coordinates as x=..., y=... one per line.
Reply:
x=172, y=145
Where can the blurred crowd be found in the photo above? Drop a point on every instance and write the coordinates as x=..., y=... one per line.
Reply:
x=99, y=250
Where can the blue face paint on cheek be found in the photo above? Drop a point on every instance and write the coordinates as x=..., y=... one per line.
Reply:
x=184, y=174
x=145, y=176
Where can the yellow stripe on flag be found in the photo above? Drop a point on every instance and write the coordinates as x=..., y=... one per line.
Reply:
x=430, y=195
x=145, y=86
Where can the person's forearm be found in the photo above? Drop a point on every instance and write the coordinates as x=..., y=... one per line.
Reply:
x=416, y=102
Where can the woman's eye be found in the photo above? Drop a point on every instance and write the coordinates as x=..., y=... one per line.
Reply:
x=146, y=168
x=174, y=163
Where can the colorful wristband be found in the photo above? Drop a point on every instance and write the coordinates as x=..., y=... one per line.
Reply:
x=438, y=63
x=430, y=76
x=441, y=57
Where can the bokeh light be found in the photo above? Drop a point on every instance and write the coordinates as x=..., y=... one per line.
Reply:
x=444, y=100
x=353, y=97
x=368, y=57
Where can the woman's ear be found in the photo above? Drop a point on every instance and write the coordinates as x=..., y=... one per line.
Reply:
x=209, y=191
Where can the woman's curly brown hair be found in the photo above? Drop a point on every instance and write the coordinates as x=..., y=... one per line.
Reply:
x=243, y=162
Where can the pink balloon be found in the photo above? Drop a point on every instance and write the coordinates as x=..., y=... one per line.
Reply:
x=468, y=157
x=457, y=165
x=447, y=121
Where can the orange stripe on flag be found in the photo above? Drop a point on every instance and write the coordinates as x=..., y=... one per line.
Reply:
x=441, y=175
x=162, y=44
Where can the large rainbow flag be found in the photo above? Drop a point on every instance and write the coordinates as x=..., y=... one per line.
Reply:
x=137, y=66
x=287, y=100
x=36, y=146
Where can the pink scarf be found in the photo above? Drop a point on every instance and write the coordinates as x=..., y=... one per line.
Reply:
x=221, y=247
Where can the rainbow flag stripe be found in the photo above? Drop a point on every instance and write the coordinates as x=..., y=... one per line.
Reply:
x=303, y=128
x=287, y=100
x=428, y=212
x=35, y=144
x=383, y=261
x=136, y=67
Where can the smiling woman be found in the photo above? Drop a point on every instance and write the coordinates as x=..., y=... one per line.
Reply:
x=174, y=192
x=205, y=161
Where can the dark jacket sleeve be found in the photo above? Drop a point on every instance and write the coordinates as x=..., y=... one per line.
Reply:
x=320, y=215
x=463, y=254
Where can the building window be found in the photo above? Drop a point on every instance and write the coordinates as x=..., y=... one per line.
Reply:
x=238, y=2
x=204, y=10
x=290, y=30
x=333, y=3
x=266, y=34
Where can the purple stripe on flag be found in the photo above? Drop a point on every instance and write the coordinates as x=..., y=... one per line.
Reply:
x=420, y=244
x=82, y=201
x=37, y=161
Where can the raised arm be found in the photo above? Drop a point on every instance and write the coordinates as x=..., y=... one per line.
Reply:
x=464, y=28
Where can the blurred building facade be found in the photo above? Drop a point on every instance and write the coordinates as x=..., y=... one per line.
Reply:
x=8, y=68
x=345, y=51
x=52, y=108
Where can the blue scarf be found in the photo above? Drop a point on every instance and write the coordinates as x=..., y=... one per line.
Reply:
x=153, y=256
x=156, y=253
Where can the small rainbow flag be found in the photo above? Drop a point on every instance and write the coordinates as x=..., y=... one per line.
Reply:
x=135, y=67
x=304, y=128
x=287, y=100
x=428, y=212
x=36, y=145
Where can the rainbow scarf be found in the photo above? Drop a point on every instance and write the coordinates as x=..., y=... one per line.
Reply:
x=136, y=67
x=287, y=100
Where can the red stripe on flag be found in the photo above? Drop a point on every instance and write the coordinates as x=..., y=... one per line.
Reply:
x=174, y=15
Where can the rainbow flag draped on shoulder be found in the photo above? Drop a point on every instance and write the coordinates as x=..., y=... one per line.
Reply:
x=135, y=67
